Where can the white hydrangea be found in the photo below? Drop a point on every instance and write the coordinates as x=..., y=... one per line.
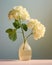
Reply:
x=31, y=23
x=38, y=29
x=19, y=12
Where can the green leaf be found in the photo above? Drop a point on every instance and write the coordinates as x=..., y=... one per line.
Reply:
x=25, y=27
x=12, y=34
x=16, y=24
x=8, y=30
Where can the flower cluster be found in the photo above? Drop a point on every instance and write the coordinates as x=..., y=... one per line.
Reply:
x=38, y=29
x=20, y=14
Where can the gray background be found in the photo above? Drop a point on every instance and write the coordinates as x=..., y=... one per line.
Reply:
x=40, y=9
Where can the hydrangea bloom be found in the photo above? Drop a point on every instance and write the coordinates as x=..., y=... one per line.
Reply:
x=31, y=23
x=38, y=29
x=19, y=12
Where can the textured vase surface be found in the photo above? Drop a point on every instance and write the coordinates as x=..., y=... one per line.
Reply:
x=25, y=52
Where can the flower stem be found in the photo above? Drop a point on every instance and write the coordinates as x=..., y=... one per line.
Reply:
x=29, y=35
x=23, y=32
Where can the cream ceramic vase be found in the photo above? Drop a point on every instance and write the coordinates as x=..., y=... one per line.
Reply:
x=25, y=52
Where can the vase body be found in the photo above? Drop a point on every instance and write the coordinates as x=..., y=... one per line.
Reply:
x=25, y=52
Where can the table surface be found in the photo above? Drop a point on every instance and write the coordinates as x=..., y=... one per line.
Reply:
x=30, y=62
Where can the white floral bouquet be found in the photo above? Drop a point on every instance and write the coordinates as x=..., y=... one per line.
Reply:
x=20, y=14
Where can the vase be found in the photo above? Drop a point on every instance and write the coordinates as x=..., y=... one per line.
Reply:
x=25, y=52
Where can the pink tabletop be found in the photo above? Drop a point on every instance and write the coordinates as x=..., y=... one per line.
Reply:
x=30, y=62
